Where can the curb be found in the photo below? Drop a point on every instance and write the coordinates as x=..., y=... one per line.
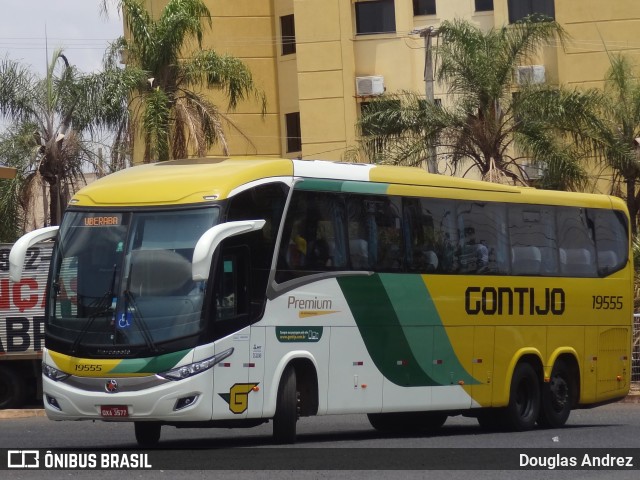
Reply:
x=631, y=398
x=22, y=413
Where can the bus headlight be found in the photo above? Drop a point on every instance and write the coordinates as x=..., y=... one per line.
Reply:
x=53, y=373
x=187, y=371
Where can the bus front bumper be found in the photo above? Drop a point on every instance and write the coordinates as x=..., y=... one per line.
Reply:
x=129, y=398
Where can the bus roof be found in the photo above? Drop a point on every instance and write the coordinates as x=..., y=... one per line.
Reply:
x=200, y=180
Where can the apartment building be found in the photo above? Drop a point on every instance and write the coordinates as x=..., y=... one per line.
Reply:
x=318, y=61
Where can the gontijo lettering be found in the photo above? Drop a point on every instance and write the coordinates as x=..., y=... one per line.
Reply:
x=514, y=301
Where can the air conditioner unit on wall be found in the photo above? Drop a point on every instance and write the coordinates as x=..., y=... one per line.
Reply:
x=530, y=74
x=372, y=85
x=533, y=172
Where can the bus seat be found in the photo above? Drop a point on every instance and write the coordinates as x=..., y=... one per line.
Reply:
x=526, y=260
x=607, y=260
x=358, y=249
x=576, y=261
x=159, y=273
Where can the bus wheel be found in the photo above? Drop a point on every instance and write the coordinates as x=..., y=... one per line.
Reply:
x=524, y=400
x=12, y=388
x=382, y=422
x=147, y=433
x=557, y=397
x=286, y=417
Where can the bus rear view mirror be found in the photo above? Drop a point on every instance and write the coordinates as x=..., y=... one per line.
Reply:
x=209, y=241
x=19, y=249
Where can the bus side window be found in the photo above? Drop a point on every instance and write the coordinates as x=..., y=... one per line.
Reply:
x=576, y=243
x=483, y=238
x=532, y=234
x=611, y=232
x=375, y=233
x=230, y=296
x=313, y=237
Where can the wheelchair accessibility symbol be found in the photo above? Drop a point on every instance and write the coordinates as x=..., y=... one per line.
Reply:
x=125, y=320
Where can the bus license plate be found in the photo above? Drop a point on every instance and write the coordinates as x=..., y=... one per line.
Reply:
x=114, y=411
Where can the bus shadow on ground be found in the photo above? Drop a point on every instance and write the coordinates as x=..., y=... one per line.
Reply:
x=357, y=435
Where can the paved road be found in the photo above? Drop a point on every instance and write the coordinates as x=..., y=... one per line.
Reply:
x=611, y=427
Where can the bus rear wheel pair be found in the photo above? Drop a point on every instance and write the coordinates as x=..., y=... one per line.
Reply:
x=531, y=402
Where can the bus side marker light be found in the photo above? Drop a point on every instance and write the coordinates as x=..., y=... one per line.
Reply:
x=256, y=388
x=364, y=385
x=358, y=364
x=461, y=382
x=547, y=379
x=619, y=378
x=437, y=362
x=402, y=363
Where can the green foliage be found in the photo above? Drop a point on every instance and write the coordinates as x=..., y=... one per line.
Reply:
x=56, y=122
x=17, y=146
x=167, y=110
x=484, y=121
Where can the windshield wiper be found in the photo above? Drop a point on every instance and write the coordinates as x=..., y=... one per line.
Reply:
x=102, y=306
x=141, y=323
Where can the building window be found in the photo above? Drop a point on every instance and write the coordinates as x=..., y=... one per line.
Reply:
x=424, y=7
x=377, y=16
x=518, y=9
x=484, y=5
x=288, y=34
x=294, y=137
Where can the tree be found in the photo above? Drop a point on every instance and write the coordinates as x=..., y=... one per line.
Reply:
x=621, y=108
x=485, y=120
x=169, y=109
x=16, y=147
x=55, y=122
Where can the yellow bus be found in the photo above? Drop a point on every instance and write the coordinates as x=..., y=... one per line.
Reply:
x=231, y=292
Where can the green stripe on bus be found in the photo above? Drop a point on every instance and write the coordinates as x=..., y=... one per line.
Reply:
x=365, y=187
x=161, y=363
x=322, y=185
x=423, y=328
x=348, y=186
x=402, y=330
x=381, y=331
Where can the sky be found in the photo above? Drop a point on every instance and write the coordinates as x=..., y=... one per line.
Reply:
x=31, y=28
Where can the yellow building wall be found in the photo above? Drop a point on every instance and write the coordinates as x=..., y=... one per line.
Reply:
x=319, y=79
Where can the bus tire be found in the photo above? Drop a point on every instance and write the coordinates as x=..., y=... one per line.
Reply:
x=13, y=388
x=286, y=417
x=557, y=397
x=147, y=433
x=524, y=400
x=383, y=422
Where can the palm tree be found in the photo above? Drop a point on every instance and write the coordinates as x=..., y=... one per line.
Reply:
x=622, y=130
x=55, y=119
x=17, y=144
x=169, y=109
x=485, y=120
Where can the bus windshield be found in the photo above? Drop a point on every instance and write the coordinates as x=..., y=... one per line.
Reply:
x=123, y=279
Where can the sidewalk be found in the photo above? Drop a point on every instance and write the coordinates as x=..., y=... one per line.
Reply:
x=22, y=413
